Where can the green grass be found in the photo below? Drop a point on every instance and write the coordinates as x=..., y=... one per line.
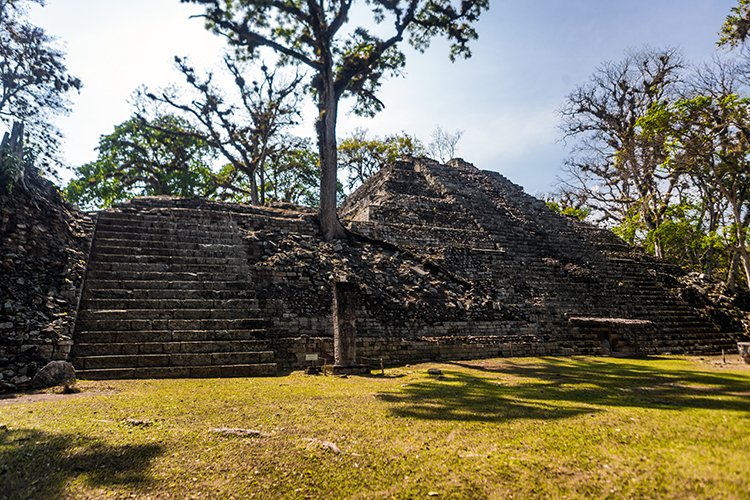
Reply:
x=549, y=427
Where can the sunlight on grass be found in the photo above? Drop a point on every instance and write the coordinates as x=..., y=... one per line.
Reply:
x=665, y=427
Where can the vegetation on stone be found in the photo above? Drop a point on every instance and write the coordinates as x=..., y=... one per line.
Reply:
x=194, y=288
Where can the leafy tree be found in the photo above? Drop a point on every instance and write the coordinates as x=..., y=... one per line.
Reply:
x=620, y=171
x=736, y=27
x=345, y=62
x=443, y=145
x=245, y=131
x=160, y=157
x=293, y=174
x=362, y=155
x=709, y=138
x=34, y=81
x=559, y=207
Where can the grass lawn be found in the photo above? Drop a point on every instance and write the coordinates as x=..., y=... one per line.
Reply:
x=522, y=427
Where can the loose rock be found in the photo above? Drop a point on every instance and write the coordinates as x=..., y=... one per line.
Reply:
x=53, y=374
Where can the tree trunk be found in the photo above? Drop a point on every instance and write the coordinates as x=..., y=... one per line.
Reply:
x=262, y=176
x=732, y=272
x=253, y=189
x=330, y=225
x=741, y=241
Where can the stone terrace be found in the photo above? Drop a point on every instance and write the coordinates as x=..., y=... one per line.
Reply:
x=450, y=262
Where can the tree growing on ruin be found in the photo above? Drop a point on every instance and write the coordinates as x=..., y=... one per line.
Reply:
x=443, y=144
x=345, y=60
x=34, y=81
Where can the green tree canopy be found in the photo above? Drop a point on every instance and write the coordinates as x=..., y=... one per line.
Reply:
x=736, y=27
x=145, y=158
x=615, y=168
x=245, y=125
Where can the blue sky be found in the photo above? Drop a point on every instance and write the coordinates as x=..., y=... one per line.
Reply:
x=529, y=56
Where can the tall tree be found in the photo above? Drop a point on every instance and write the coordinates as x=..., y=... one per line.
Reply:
x=619, y=170
x=34, y=81
x=349, y=61
x=708, y=137
x=137, y=159
x=246, y=130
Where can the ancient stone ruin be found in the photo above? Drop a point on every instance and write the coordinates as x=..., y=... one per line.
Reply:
x=44, y=244
x=444, y=262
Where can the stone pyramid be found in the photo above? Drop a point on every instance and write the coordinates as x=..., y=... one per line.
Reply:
x=448, y=262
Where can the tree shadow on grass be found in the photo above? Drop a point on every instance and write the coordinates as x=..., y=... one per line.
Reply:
x=556, y=388
x=35, y=464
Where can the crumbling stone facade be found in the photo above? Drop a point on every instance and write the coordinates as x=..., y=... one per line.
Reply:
x=447, y=262
x=44, y=244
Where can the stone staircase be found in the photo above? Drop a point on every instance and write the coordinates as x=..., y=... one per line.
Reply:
x=168, y=294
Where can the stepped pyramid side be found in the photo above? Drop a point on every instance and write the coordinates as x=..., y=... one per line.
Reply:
x=450, y=262
x=168, y=293
x=568, y=278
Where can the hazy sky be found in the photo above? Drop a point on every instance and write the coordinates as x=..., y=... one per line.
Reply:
x=529, y=56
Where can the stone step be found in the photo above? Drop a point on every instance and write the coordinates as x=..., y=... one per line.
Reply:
x=169, y=259
x=137, y=314
x=175, y=303
x=213, y=371
x=94, y=275
x=143, y=284
x=170, y=267
x=117, y=295
x=172, y=359
x=142, y=239
x=190, y=250
x=135, y=325
x=217, y=231
x=163, y=223
x=260, y=218
x=162, y=336
x=188, y=347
